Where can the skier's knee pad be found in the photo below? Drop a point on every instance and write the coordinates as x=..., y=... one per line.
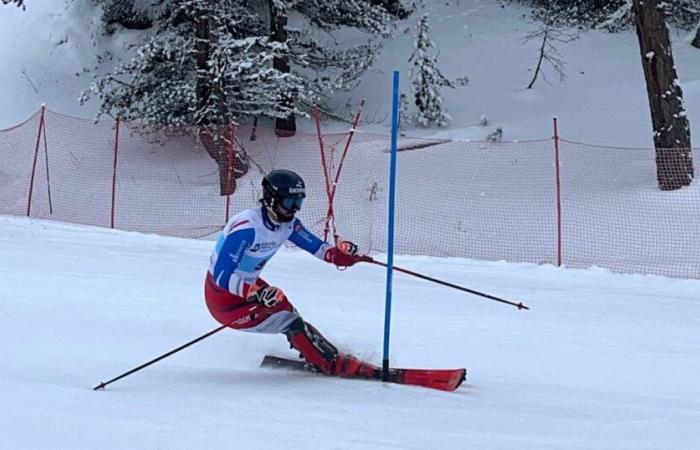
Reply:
x=295, y=327
x=306, y=338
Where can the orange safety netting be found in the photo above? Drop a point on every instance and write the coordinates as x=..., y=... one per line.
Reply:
x=575, y=204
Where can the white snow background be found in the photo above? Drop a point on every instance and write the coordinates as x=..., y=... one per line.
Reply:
x=601, y=361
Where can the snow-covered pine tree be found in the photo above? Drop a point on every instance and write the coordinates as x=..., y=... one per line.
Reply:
x=572, y=13
x=611, y=15
x=297, y=50
x=124, y=13
x=207, y=64
x=684, y=13
x=403, y=113
x=326, y=65
x=210, y=62
x=427, y=80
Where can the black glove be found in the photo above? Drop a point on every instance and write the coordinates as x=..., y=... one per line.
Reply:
x=268, y=296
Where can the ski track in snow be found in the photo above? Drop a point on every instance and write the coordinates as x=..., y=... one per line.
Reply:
x=601, y=361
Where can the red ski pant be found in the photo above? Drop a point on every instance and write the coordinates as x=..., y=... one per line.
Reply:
x=236, y=312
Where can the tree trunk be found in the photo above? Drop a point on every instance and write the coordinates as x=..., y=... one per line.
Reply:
x=220, y=144
x=696, y=41
x=217, y=139
x=202, y=48
x=284, y=126
x=674, y=160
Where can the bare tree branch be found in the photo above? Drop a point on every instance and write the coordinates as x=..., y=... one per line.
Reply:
x=549, y=54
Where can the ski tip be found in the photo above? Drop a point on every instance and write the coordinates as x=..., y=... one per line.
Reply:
x=462, y=379
x=457, y=381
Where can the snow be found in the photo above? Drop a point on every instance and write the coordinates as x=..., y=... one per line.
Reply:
x=603, y=100
x=601, y=360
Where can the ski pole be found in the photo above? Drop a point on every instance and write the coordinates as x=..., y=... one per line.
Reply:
x=163, y=356
x=371, y=260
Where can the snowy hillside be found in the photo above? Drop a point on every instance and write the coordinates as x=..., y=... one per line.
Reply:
x=601, y=361
x=602, y=101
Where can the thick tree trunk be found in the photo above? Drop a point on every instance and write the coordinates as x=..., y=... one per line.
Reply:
x=219, y=142
x=284, y=126
x=674, y=160
x=202, y=48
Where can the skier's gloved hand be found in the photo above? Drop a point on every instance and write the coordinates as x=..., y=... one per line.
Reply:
x=268, y=296
x=344, y=254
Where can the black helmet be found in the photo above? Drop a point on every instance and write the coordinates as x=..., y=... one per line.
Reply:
x=283, y=194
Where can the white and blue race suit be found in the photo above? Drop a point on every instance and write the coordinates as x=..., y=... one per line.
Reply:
x=247, y=243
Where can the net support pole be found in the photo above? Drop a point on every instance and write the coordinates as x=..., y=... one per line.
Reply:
x=114, y=171
x=392, y=198
x=558, y=184
x=330, y=215
x=36, y=156
x=46, y=160
x=324, y=165
x=229, y=169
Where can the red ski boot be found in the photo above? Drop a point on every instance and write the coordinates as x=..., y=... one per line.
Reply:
x=320, y=353
x=347, y=366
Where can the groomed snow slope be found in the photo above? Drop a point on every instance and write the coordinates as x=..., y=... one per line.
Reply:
x=601, y=360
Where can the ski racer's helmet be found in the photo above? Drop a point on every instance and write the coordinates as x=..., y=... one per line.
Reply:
x=283, y=194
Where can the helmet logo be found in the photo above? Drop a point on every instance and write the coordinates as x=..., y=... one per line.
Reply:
x=296, y=190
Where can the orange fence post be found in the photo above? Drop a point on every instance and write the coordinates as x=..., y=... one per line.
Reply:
x=317, y=117
x=330, y=216
x=331, y=187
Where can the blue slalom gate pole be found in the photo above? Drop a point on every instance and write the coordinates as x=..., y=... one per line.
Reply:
x=392, y=197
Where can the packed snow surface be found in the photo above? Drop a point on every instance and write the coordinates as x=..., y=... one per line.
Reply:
x=600, y=361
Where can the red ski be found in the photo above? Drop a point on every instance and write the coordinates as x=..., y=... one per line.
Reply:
x=442, y=379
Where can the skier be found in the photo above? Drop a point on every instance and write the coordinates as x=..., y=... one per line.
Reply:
x=235, y=294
